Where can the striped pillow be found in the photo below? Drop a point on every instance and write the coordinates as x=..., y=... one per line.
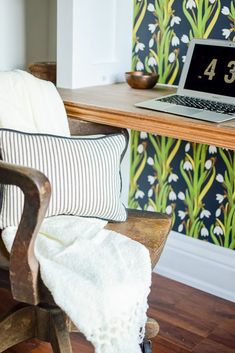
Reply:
x=84, y=174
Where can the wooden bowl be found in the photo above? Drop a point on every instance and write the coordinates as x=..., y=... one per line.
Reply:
x=141, y=79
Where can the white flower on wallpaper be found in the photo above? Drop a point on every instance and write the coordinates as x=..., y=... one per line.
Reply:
x=187, y=166
x=218, y=212
x=181, y=214
x=205, y=213
x=173, y=177
x=150, y=161
x=143, y=135
x=219, y=178
x=185, y=39
x=219, y=198
x=139, y=46
x=187, y=147
x=150, y=193
x=181, y=196
x=151, y=8
x=226, y=32
x=172, y=196
x=225, y=11
x=151, y=179
x=218, y=230
x=139, y=66
x=150, y=208
x=152, y=27
x=212, y=1
x=140, y=149
x=175, y=20
x=151, y=43
x=183, y=58
x=204, y=232
x=175, y=41
x=212, y=149
x=208, y=164
x=180, y=228
x=169, y=210
x=139, y=194
x=190, y=4
x=172, y=57
x=152, y=61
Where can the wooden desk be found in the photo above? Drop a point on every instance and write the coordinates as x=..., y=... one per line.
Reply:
x=114, y=105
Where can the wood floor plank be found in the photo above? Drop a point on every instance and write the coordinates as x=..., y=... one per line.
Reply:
x=181, y=319
x=178, y=336
x=160, y=345
x=209, y=346
x=224, y=333
x=190, y=321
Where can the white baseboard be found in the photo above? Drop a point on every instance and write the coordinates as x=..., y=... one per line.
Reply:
x=199, y=264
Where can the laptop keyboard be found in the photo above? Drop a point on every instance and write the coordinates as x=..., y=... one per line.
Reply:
x=204, y=104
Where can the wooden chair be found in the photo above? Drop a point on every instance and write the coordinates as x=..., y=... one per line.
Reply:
x=37, y=316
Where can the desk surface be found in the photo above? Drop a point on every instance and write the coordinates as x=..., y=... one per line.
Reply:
x=114, y=105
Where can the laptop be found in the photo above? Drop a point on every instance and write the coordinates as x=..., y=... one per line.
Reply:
x=206, y=89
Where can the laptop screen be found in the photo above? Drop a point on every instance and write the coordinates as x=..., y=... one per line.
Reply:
x=212, y=70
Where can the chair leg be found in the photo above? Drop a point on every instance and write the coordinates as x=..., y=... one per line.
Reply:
x=17, y=326
x=146, y=346
x=60, y=340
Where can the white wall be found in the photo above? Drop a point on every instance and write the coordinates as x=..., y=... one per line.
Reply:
x=41, y=30
x=12, y=34
x=93, y=41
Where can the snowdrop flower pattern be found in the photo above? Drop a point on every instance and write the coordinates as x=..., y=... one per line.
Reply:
x=190, y=4
x=169, y=210
x=175, y=20
x=172, y=196
x=152, y=61
x=181, y=196
x=187, y=165
x=173, y=177
x=152, y=27
x=139, y=194
x=139, y=46
x=185, y=38
x=212, y=149
x=181, y=23
x=226, y=32
x=175, y=41
x=219, y=178
x=218, y=230
x=204, y=232
x=208, y=164
x=225, y=11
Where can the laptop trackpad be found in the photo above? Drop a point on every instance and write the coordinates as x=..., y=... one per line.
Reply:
x=176, y=109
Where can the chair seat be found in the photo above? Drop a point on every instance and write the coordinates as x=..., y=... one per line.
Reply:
x=148, y=228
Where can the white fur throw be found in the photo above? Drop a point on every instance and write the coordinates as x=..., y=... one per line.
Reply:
x=100, y=278
x=30, y=104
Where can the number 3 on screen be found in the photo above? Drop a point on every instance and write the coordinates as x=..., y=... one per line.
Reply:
x=231, y=77
x=210, y=71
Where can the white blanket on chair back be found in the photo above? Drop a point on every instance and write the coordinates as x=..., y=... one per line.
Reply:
x=30, y=104
x=100, y=278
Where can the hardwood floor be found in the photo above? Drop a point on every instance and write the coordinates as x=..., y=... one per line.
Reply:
x=190, y=321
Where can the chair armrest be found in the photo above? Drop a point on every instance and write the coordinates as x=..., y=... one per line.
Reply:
x=148, y=228
x=23, y=264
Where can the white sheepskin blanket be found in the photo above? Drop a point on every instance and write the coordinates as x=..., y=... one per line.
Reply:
x=100, y=278
x=31, y=105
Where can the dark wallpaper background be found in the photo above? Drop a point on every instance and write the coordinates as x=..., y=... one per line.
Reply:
x=194, y=183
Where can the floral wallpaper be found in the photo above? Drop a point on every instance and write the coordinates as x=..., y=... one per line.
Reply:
x=194, y=183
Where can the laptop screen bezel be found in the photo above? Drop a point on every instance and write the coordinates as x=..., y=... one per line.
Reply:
x=186, y=92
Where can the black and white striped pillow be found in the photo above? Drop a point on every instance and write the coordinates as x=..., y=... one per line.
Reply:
x=84, y=174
